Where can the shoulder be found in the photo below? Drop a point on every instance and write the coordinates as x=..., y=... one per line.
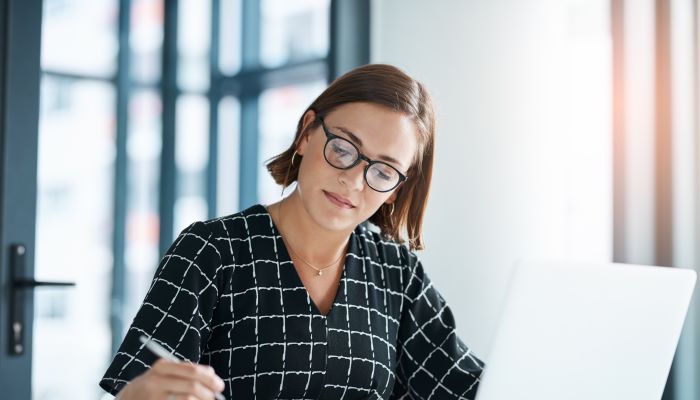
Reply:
x=229, y=231
x=238, y=225
x=384, y=248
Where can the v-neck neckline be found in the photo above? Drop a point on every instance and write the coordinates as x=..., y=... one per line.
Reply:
x=283, y=255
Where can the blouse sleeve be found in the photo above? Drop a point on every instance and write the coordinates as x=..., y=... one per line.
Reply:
x=432, y=361
x=177, y=310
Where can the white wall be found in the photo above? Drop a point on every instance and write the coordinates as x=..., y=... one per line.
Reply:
x=523, y=163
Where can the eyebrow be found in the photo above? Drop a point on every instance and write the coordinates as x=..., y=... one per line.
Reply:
x=359, y=143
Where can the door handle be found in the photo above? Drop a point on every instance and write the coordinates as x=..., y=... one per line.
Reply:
x=31, y=283
x=19, y=285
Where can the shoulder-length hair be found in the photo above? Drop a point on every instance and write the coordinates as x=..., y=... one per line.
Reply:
x=387, y=86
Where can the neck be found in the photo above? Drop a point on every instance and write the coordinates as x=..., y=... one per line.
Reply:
x=311, y=241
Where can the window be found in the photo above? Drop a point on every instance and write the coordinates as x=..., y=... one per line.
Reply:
x=153, y=115
x=75, y=196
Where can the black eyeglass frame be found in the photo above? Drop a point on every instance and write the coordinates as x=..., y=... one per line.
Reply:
x=360, y=157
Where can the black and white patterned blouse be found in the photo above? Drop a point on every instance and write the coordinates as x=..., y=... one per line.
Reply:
x=226, y=294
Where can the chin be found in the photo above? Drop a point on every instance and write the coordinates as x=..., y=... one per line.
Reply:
x=333, y=218
x=337, y=226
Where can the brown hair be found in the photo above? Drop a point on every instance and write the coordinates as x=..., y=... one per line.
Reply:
x=388, y=86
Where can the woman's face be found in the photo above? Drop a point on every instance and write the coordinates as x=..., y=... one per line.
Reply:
x=341, y=199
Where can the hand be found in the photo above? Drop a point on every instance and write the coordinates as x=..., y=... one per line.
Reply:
x=171, y=380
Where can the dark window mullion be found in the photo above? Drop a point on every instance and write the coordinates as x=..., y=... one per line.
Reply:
x=292, y=74
x=80, y=77
x=250, y=60
x=296, y=74
x=300, y=72
x=117, y=321
x=214, y=98
x=20, y=43
x=169, y=91
x=137, y=86
x=350, y=36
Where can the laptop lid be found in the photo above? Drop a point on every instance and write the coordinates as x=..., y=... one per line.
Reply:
x=587, y=331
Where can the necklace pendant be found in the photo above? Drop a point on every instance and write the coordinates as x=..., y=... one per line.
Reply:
x=320, y=273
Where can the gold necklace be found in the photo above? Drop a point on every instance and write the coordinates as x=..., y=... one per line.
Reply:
x=319, y=271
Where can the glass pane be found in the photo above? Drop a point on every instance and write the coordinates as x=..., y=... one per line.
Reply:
x=191, y=159
x=146, y=40
x=73, y=238
x=143, y=152
x=294, y=30
x=230, y=36
x=193, y=42
x=80, y=36
x=228, y=156
x=280, y=110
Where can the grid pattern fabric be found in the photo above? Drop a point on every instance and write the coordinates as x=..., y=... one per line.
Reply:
x=226, y=294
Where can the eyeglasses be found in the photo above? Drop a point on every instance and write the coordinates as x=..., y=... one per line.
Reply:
x=342, y=154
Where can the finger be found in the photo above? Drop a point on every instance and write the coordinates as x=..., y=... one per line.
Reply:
x=173, y=396
x=204, y=374
x=183, y=388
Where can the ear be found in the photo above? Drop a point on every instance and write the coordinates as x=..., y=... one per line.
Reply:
x=308, y=119
x=392, y=198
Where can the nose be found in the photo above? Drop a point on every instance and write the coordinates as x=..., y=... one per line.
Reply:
x=354, y=178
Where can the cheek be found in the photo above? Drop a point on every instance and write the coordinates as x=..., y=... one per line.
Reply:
x=374, y=200
x=314, y=169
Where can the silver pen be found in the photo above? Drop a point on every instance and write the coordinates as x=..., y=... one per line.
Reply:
x=158, y=350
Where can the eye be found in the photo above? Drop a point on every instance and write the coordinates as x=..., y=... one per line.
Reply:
x=383, y=172
x=339, y=149
x=343, y=151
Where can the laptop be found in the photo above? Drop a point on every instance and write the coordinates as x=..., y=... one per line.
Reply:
x=580, y=331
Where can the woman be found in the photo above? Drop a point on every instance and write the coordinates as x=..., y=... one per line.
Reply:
x=304, y=298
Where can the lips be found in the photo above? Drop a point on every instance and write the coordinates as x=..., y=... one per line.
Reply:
x=338, y=200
